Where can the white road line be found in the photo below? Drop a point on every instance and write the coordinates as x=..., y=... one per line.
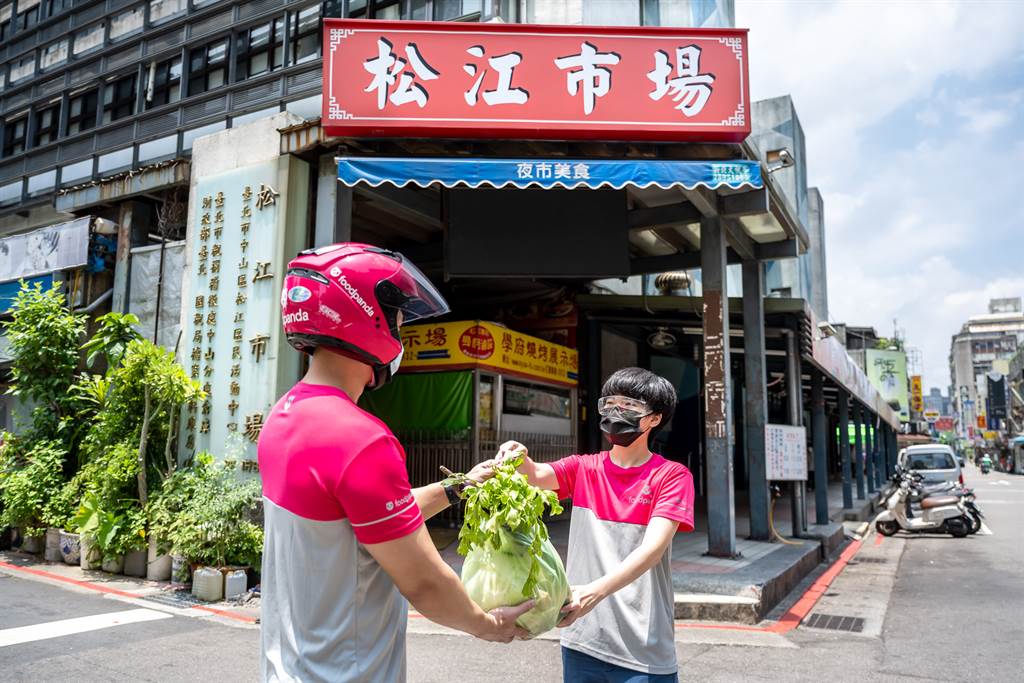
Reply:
x=67, y=627
x=984, y=530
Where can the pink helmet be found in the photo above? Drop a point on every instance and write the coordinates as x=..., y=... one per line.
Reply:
x=348, y=297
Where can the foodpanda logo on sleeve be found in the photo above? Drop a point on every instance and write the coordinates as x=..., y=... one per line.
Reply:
x=392, y=504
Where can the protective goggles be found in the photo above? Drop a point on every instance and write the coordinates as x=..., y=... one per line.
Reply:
x=625, y=406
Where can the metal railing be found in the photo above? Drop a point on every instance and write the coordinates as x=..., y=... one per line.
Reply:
x=427, y=451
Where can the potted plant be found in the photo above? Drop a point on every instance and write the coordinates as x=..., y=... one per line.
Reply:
x=29, y=478
x=216, y=526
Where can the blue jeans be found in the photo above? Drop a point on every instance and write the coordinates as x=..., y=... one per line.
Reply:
x=580, y=668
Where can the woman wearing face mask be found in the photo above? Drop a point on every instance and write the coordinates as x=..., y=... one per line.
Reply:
x=627, y=505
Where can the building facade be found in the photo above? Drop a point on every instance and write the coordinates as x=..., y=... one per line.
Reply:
x=979, y=353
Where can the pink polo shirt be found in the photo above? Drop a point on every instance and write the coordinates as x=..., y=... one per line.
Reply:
x=334, y=478
x=634, y=628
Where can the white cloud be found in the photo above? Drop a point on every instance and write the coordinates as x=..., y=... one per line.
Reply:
x=912, y=149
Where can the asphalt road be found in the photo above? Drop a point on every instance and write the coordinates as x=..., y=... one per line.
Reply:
x=947, y=610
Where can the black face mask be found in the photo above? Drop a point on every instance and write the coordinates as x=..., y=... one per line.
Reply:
x=621, y=431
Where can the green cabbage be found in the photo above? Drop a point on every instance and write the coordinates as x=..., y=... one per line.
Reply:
x=509, y=558
x=495, y=578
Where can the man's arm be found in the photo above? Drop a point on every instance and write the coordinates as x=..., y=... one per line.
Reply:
x=436, y=592
x=432, y=499
x=656, y=540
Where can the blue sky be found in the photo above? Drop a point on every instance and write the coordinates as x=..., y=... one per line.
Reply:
x=913, y=117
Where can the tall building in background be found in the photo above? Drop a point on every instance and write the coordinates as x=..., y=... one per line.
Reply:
x=980, y=355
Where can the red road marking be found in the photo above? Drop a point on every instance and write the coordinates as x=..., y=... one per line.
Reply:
x=114, y=591
x=878, y=539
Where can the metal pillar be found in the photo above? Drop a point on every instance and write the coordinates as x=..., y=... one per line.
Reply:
x=717, y=391
x=796, y=417
x=893, y=453
x=755, y=404
x=132, y=229
x=869, y=451
x=333, y=206
x=819, y=437
x=858, y=442
x=844, y=446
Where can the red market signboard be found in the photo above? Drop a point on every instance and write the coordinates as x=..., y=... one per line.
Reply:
x=462, y=80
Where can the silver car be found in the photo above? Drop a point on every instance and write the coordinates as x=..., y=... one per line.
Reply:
x=935, y=462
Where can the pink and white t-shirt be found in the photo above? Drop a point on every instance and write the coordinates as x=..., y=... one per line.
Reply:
x=334, y=478
x=633, y=628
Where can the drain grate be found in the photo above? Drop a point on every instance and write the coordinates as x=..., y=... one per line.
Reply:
x=870, y=560
x=181, y=599
x=835, y=622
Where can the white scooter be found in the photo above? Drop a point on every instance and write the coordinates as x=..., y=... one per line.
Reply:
x=937, y=514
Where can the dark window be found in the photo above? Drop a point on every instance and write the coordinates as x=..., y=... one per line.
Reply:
x=208, y=67
x=82, y=112
x=5, y=22
x=47, y=124
x=377, y=9
x=14, y=136
x=259, y=50
x=305, y=35
x=119, y=98
x=28, y=14
x=164, y=83
x=55, y=7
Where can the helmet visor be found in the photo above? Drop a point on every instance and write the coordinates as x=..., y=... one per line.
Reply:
x=416, y=297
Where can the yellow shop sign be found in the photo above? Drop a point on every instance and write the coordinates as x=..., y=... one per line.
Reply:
x=477, y=344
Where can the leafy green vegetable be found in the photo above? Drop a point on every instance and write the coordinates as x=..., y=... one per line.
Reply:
x=509, y=557
x=507, y=501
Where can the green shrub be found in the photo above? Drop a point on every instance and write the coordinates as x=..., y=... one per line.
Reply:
x=30, y=482
x=208, y=516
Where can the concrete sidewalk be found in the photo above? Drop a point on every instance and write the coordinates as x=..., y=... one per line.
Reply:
x=743, y=589
x=153, y=594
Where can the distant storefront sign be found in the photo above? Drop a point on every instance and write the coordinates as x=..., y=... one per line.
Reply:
x=532, y=81
x=786, y=452
x=916, y=394
x=931, y=415
x=46, y=250
x=944, y=424
x=472, y=344
x=887, y=371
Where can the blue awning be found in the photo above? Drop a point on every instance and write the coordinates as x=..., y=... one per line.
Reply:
x=549, y=173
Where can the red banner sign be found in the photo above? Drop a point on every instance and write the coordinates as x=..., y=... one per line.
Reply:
x=433, y=79
x=944, y=424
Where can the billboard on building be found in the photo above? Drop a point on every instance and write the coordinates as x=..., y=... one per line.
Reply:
x=887, y=371
x=916, y=394
x=452, y=79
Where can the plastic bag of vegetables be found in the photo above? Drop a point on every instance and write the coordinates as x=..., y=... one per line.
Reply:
x=509, y=558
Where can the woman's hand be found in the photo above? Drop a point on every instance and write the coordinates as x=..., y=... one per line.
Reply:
x=482, y=472
x=584, y=599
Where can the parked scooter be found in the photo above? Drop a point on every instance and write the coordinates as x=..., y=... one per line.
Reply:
x=938, y=513
x=920, y=491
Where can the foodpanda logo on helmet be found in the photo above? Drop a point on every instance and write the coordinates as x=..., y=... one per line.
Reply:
x=354, y=294
x=299, y=316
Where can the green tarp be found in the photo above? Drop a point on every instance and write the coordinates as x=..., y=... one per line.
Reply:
x=441, y=401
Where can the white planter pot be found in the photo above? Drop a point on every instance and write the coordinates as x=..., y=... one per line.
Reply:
x=180, y=571
x=208, y=584
x=70, y=547
x=135, y=563
x=158, y=567
x=32, y=544
x=51, y=553
x=113, y=565
x=90, y=556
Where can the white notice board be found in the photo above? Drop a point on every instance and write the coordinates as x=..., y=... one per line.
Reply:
x=786, y=452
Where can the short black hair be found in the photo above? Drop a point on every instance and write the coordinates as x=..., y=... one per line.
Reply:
x=645, y=386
